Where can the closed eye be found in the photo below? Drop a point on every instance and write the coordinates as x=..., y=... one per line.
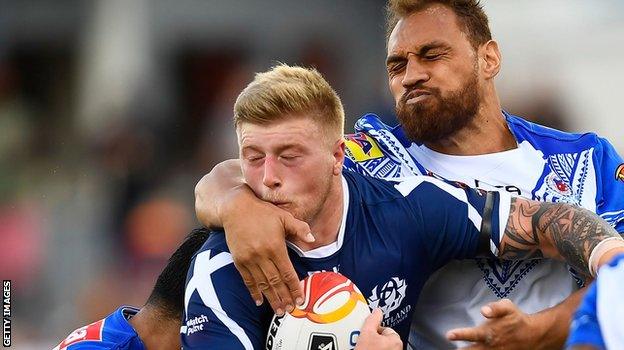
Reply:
x=432, y=57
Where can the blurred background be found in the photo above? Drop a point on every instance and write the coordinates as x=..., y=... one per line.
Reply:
x=111, y=111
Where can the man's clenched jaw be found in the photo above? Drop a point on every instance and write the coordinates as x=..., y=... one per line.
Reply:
x=433, y=73
x=428, y=116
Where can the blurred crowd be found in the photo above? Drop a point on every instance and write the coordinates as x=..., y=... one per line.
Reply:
x=111, y=110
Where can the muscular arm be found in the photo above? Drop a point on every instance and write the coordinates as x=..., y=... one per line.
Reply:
x=553, y=230
x=536, y=230
x=255, y=232
x=223, y=181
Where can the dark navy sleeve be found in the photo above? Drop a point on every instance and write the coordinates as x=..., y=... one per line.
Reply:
x=455, y=222
x=609, y=184
x=219, y=312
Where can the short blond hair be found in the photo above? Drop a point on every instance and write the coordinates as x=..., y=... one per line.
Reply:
x=289, y=91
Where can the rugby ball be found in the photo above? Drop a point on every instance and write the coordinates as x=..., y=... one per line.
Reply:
x=330, y=318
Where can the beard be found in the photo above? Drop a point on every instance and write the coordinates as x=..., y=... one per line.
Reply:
x=439, y=116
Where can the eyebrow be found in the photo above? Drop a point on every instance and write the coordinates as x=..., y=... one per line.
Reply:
x=392, y=58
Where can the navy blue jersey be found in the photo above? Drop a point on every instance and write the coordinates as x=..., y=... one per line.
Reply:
x=114, y=332
x=393, y=237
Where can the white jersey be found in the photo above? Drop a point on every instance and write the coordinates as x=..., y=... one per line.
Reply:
x=547, y=165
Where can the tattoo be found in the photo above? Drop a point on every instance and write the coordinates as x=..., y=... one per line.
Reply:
x=537, y=229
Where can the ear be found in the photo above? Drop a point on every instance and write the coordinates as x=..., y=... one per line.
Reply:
x=490, y=59
x=339, y=154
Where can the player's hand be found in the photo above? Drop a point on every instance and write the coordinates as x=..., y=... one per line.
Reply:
x=507, y=327
x=374, y=336
x=255, y=232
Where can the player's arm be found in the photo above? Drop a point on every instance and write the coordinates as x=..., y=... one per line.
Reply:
x=559, y=231
x=255, y=231
x=218, y=311
x=536, y=230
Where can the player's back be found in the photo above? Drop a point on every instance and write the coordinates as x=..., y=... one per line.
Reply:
x=113, y=332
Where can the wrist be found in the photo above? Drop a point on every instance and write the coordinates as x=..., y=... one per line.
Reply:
x=230, y=204
x=540, y=325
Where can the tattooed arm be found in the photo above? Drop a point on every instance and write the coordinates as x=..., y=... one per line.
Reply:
x=553, y=230
x=536, y=230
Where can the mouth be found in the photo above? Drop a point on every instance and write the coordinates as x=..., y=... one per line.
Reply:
x=416, y=96
x=281, y=204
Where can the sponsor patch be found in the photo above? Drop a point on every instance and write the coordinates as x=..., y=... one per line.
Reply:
x=361, y=147
x=92, y=332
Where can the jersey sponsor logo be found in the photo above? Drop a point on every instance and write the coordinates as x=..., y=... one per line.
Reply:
x=195, y=324
x=92, y=332
x=619, y=173
x=361, y=147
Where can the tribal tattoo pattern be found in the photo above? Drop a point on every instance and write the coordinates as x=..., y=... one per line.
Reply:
x=553, y=230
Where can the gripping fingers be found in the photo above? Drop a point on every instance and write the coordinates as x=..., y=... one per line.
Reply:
x=289, y=277
x=276, y=284
x=267, y=291
x=250, y=283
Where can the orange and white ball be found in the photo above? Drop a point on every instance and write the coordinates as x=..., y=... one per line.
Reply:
x=330, y=318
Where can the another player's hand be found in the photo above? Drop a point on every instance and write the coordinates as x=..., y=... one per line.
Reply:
x=374, y=336
x=507, y=327
x=255, y=232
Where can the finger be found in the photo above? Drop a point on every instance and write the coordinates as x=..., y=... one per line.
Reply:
x=474, y=334
x=498, y=309
x=289, y=276
x=389, y=332
x=298, y=228
x=373, y=322
x=250, y=283
x=274, y=279
x=265, y=288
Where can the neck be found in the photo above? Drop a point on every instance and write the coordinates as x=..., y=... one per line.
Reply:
x=326, y=224
x=487, y=133
x=156, y=332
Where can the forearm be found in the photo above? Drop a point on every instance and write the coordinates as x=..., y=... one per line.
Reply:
x=553, y=230
x=214, y=189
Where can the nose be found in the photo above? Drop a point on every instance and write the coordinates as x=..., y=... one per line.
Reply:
x=415, y=72
x=271, y=177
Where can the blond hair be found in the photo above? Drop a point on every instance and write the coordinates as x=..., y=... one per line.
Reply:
x=290, y=91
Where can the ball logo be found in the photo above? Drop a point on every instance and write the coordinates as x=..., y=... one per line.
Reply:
x=329, y=297
x=389, y=297
x=320, y=341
